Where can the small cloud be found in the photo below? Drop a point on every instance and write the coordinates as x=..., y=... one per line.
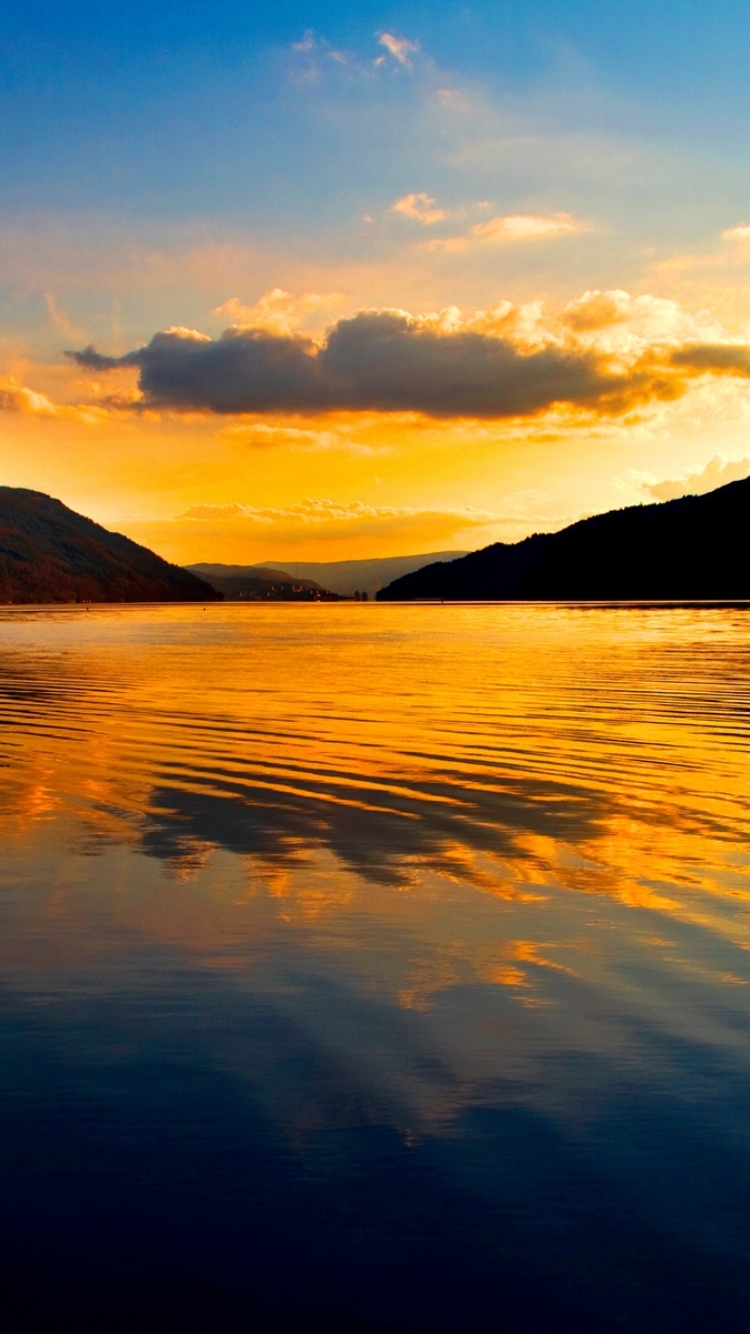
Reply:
x=399, y=47
x=277, y=311
x=307, y=43
x=697, y=481
x=735, y=252
x=739, y=234
x=451, y=244
x=502, y=230
x=15, y=397
x=526, y=227
x=205, y=513
x=420, y=207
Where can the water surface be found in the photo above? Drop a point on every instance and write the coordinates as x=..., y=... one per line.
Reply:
x=375, y=967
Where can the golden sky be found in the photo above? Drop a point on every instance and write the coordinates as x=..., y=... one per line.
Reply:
x=479, y=310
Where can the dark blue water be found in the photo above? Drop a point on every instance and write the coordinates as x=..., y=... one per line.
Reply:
x=375, y=968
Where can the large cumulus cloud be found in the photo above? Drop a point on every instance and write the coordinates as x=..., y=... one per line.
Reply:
x=385, y=361
x=390, y=362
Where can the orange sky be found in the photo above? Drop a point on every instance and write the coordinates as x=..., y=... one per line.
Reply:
x=618, y=335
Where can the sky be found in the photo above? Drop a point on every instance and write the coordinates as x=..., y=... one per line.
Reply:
x=319, y=282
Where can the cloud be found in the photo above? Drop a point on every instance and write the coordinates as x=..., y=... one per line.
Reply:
x=597, y=310
x=420, y=207
x=400, y=47
x=262, y=435
x=58, y=317
x=514, y=227
x=734, y=254
x=379, y=360
x=605, y=353
x=715, y=358
x=740, y=234
x=616, y=321
x=696, y=482
x=277, y=311
x=526, y=227
x=316, y=518
x=15, y=397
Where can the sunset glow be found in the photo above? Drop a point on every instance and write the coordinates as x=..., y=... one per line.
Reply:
x=325, y=289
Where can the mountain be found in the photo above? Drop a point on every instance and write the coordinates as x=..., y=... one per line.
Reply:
x=49, y=553
x=692, y=548
x=345, y=577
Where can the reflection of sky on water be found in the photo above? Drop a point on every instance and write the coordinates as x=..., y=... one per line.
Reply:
x=427, y=927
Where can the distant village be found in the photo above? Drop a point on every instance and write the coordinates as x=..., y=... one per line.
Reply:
x=289, y=592
x=248, y=588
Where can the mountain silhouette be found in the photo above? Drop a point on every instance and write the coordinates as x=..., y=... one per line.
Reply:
x=48, y=553
x=261, y=583
x=344, y=577
x=697, y=547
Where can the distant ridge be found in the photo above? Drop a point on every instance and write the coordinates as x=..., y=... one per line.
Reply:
x=697, y=547
x=48, y=553
x=261, y=583
x=344, y=577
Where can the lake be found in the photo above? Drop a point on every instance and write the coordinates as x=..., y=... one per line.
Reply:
x=375, y=967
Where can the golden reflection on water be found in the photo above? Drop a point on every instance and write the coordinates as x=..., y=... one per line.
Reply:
x=437, y=797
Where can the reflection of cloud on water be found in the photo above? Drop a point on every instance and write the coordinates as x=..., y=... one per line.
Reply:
x=436, y=826
x=505, y=1084
x=542, y=753
x=521, y=844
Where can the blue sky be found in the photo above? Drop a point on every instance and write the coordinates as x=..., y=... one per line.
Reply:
x=175, y=165
x=162, y=108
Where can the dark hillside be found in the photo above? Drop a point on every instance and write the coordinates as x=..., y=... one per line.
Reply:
x=693, y=548
x=49, y=553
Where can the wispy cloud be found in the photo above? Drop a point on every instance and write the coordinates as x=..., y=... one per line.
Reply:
x=401, y=48
x=263, y=436
x=510, y=228
x=733, y=253
x=318, y=518
x=16, y=397
x=526, y=227
x=59, y=317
